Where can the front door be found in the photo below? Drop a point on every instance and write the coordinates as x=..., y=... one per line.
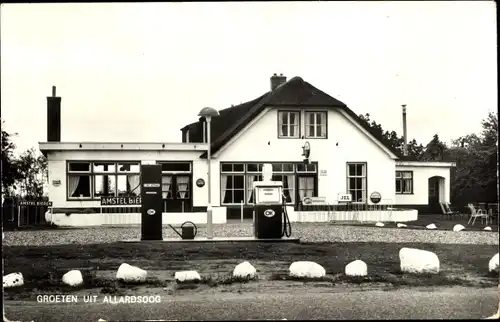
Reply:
x=176, y=193
x=434, y=206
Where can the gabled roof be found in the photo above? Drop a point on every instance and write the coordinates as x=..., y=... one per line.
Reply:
x=295, y=92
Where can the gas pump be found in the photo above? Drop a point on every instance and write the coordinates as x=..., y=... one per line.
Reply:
x=152, y=206
x=270, y=216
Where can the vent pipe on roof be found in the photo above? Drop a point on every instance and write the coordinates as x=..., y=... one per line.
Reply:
x=405, y=137
x=277, y=81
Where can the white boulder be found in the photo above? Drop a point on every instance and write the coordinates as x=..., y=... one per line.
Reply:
x=306, y=269
x=418, y=261
x=132, y=274
x=458, y=227
x=493, y=264
x=400, y=225
x=13, y=280
x=244, y=270
x=379, y=224
x=187, y=276
x=487, y=228
x=356, y=268
x=431, y=226
x=73, y=278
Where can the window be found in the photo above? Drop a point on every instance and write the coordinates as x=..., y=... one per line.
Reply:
x=79, y=185
x=356, y=181
x=175, y=167
x=254, y=167
x=104, y=186
x=254, y=173
x=284, y=172
x=404, y=182
x=306, y=168
x=232, y=183
x=108, y=179
x=233, y=189
x=288, y=124
x=104, y=167
x=315, y=125
x=233, y=167
x=237, y=180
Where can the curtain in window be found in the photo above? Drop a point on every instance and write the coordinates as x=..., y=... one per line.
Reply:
x=288, y=184
x=407, y=185
x=290, y=179
x=182, y=186
x=166, y=181
x=282, y=124
x=134, y=181
x=73, y=182
x=302, y=187
x=250, y=181
x=223, y=186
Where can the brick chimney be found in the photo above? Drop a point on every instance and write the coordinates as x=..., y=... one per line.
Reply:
x=53, y=117
x=277, y=81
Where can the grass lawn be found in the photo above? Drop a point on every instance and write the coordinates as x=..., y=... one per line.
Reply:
x=43, y=266
x=441, y=222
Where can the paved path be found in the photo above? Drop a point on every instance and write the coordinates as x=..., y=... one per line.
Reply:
x=449, y=303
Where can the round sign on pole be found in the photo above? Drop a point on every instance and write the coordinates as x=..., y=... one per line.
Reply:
x=375, y=197
x=151, y=212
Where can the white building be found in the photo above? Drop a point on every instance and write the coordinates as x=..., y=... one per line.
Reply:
x=346, y=158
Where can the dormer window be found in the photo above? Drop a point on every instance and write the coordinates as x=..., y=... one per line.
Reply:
x=315, y=125
x=288, y=124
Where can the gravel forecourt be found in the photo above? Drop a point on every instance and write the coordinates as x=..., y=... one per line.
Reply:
x=307, y=232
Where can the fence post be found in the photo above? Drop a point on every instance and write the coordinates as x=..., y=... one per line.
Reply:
x=18, y=214
x=241, y=209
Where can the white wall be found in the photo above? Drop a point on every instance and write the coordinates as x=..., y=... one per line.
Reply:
x=86, y=220
x=361, y=216
x=421, y=175
x=259, y=142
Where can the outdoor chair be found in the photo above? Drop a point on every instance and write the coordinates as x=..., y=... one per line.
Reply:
x=444, y=211
x=450, y=211
x=493, y=211
x=476, y=213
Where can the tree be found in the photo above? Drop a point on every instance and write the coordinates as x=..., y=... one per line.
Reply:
x=10, y=172
x=475, y=177
x=435, y=150
x=392, y=139
x=33, y=173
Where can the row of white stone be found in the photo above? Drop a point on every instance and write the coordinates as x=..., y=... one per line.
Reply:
x=457, y=227
x=416, y=261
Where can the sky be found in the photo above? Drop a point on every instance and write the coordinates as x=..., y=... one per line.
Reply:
x=138, y=72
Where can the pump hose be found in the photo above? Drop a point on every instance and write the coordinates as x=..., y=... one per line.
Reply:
x=286, y=222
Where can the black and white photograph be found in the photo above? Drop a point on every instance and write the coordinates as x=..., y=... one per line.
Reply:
x=286, y=160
